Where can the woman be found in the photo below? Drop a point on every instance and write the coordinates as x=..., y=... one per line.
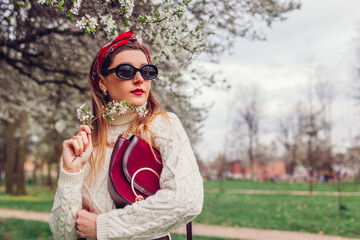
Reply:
x=82, y=205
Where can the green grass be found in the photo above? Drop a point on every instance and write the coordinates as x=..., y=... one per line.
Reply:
x=14, y=229
x=283, y=212
x=245, y=184
x=39, y=198
x=34, y=230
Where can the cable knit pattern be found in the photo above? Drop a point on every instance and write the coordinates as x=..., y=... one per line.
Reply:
x=178, y=202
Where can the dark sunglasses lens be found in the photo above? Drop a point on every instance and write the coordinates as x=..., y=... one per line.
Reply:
x=126, y=72
x=148, y=72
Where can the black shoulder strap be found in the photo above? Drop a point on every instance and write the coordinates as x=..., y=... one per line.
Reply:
x=189, y=231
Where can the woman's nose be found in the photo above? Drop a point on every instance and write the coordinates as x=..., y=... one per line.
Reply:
x=138, y=79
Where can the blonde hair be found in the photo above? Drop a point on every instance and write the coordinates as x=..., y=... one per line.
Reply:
x=141, y=124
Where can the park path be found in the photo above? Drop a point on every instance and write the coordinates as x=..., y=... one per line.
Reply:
x=200, y=229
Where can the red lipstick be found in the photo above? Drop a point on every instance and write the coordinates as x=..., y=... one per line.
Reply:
x=138, y=91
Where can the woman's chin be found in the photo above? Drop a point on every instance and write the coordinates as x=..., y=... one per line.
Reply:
x=135, y=103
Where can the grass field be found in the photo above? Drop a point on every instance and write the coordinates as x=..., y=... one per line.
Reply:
x=315, y=214
x=243, y=184
x=39, y=198
x=34, y=230
x=13, y=229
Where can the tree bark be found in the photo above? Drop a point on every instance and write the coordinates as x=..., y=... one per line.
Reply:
x=10, y=157
x=21, y=156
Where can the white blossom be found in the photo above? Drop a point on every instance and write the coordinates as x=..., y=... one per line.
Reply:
x=76, y=7
x=79, y=110
x=92, y=21
x=44, y=1
x=87, y=22
x=110, y=25
x=142, y=111
x=81, y=24
x=139, y=39
x=128, y=5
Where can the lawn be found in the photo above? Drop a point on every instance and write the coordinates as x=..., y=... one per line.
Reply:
x=315, y=214
x=244, y=184
x=34, y=230
x=39, y=198
x=11, y=229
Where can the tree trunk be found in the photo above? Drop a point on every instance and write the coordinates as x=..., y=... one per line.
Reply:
x=10, y=157
x=21, y=156
x=49, y=182
x=251, y=160
x=340, y=200
x=2, y=158
x=311, y=183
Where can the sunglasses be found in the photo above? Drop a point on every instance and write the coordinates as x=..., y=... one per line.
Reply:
x=127, y=71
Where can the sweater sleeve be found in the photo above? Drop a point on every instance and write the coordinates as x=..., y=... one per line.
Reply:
x=67, y=202
x=179, y=199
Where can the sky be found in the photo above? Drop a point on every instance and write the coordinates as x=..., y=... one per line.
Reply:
x=323, y=34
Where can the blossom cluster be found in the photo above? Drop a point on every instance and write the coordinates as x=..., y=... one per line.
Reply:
x=52, y=2
x=110, y=25
x=114, y=107
x=175, y=36
x=88, y=23
x=165, y=25
x=84, y=115
x=76, y=7
x=127, y=7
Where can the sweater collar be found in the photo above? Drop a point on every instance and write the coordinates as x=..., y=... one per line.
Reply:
x=123, y=119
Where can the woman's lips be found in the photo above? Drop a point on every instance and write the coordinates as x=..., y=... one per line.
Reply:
x=138, y=91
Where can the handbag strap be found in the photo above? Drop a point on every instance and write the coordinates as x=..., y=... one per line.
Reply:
x=189, y=231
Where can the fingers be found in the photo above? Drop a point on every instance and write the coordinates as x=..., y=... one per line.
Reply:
x=79, y=218
x=67, y=143
x=78, y=145
x=85, y=128
x=84, y=138
x=80, y=213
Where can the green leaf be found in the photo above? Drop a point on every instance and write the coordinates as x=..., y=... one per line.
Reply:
x=69, y=16
x=60, y=5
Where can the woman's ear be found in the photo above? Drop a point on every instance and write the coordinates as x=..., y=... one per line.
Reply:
x=102, y=84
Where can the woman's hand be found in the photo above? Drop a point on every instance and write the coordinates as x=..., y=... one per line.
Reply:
x=86, y=224
x=77, y=150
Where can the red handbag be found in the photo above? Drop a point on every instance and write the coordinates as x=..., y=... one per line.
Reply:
x=134, y=172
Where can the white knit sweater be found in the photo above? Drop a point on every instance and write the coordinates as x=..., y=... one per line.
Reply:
x=178, y=202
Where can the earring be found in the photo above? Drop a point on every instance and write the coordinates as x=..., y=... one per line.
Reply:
x=104, y=92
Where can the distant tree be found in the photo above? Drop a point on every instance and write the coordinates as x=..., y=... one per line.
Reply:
x=246, y=121
x=314, y=146
x=219, y=165
x=289, y=136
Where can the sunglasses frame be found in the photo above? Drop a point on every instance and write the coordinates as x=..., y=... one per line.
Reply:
x=115, y=70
